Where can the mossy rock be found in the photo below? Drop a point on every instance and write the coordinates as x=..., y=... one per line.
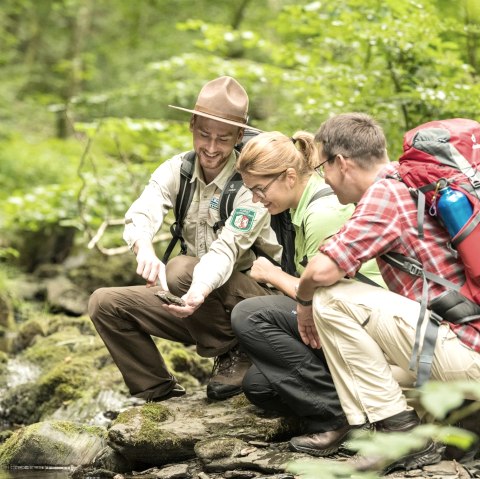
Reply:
x=6, y=312
x=142, y=435
x=82, y=323
x=51, y=444
x=27, y=334
x=95, y=270
x=184, y=361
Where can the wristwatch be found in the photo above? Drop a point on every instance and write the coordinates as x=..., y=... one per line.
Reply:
x=301, y=301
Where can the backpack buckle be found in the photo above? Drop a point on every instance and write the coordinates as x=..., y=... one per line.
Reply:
x=413, y=269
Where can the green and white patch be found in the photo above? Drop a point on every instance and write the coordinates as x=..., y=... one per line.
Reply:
x=242, y=219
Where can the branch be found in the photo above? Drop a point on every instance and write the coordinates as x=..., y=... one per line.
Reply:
x=94, y=242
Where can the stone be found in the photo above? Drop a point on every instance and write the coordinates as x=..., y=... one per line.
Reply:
x=161, y=433
x=64, y=297
x=58, y=444
x=176, y=471
x=224, y=454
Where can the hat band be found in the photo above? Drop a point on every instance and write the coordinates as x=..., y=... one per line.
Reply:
x=222, y=114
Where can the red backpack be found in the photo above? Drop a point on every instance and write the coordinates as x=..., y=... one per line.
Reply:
x=436, y=154
x=448, y=149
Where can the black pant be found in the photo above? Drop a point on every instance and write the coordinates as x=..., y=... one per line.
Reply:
x=287, y=376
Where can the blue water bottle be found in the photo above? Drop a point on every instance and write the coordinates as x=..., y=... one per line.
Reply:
x=454, y=209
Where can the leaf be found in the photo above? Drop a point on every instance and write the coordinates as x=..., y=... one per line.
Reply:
x=439, y=398
x=327, y=469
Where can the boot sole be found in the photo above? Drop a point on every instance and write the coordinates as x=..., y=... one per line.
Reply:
x=174, y=393
x=226, y=395
x=417, y=460
x=314, y=452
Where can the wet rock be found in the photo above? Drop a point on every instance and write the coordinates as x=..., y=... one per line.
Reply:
x=158, y=434
x=111, y=460
x=142, y=436
x=446, y=469
x=52, y=444
x=27, y=334
x=239, y=474
x=64, y=297
x=226, y=454
x=176, y=471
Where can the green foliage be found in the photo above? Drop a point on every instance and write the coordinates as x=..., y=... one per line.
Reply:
x=403, y=62
x=439, y=399
x=66, y=70
x=42, y=205
x=327, y=470
x=6, y=253
x=27, y=163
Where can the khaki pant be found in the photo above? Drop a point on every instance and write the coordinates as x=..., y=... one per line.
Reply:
x=126, y=318
x=359, y=327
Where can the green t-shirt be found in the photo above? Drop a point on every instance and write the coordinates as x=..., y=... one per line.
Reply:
x=317, y=221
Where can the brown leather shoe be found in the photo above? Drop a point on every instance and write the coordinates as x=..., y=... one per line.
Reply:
x=175, y=392
x=417, y=458
x=322, y=443
x=227, y=374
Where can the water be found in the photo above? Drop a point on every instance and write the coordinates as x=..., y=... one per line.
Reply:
x=34, y=474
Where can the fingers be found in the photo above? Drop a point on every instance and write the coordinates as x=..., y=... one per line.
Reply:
x=162, y=277
x=152, y=270
x=306, y=327
x=179, y=311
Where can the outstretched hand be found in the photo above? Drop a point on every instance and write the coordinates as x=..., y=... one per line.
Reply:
x=193, y=298
x=306, y=326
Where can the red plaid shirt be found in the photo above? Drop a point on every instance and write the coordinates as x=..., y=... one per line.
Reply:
x=385, y=220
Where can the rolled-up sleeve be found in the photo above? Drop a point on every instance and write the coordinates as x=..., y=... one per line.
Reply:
x=371, y=231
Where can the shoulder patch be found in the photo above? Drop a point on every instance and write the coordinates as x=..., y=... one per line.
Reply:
x=214, y=203
x=242, y=219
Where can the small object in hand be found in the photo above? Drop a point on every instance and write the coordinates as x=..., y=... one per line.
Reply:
x=169, y=298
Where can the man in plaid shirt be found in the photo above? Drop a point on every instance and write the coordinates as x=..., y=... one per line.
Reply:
x=358, y=325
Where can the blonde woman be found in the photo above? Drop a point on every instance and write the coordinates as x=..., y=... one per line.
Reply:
x=288, y=376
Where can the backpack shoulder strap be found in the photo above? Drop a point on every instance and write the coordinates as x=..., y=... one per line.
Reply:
x=182, y=203
x=365, y=279
x=327, y=191
x=418, y=195
x=281, y=224
x=424, y=357
x=227, y=198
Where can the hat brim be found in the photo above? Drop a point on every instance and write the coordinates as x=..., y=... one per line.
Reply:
x=216, y=118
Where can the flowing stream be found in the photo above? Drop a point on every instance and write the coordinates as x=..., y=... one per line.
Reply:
x=24, y=473
x=20, y=372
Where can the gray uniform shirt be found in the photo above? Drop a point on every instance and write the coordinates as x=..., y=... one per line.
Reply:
x=220, y=253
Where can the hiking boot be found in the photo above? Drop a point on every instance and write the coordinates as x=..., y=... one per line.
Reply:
x=401, y=422
x=322, y=443
x=469, y=423
x=227, y=374
x=175, y=392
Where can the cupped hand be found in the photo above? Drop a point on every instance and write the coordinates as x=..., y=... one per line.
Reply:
x=193, y=298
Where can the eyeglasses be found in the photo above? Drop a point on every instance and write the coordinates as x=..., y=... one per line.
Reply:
x=261, y=192
x=319, y=168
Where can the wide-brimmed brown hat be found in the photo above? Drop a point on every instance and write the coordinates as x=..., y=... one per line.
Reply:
x=222, y=99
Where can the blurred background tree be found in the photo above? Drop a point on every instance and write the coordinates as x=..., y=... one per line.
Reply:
x=85, y=87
